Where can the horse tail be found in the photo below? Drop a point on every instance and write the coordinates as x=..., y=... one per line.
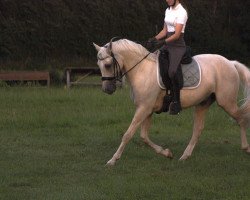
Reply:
x=244, y=74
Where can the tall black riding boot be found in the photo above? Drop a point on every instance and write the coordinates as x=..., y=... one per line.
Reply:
x=167, y=100
x=175, y=106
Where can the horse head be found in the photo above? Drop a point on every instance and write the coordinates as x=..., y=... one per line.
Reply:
x=109, y=66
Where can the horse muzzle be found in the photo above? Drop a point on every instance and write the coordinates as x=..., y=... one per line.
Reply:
x=109, y=87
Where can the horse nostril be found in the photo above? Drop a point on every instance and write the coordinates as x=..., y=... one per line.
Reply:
x=107, y=65
x=109, y=88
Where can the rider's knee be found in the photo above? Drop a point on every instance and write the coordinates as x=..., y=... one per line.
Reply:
x=164, y=53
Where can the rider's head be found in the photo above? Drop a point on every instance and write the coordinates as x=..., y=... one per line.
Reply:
x=172, y=3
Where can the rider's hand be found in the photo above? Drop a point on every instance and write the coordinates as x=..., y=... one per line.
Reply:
x=152, y=40
x=153, y=44
x=150, y=44
x=159, y=43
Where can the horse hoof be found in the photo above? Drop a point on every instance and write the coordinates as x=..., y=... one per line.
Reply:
x=110, y=163
x=167, y=153
x=183, y=157
x=248, y=150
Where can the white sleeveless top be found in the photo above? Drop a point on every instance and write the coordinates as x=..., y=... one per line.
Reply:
x=173, y=16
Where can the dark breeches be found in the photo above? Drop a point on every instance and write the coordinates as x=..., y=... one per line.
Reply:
x=175, y=56
x=176, y=50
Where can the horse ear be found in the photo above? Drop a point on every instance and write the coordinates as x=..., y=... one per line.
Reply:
x=109, y=48
x=97, y=47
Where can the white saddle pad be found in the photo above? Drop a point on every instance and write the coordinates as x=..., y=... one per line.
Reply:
x=191, y=75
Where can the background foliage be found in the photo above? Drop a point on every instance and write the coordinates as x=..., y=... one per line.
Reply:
x=46, y=33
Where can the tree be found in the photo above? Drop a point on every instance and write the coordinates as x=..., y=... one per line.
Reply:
x=43, y=31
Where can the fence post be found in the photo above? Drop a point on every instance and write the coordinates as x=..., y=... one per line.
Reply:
x=68, y=78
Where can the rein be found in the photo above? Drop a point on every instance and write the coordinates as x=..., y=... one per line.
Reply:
x=117, y=69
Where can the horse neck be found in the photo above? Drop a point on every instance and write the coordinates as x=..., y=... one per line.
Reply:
x=131, y=64
x=137, y=68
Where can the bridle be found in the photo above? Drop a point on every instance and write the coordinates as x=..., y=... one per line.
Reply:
x=117, y=74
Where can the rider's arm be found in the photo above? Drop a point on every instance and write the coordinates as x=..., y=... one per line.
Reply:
x=163, y=33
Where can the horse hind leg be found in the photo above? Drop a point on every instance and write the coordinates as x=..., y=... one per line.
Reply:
x=244, y=144
x=144, y=135
x=238, y=114
x=199, y=118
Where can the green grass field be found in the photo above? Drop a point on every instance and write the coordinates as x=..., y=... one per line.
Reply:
x=54, y=144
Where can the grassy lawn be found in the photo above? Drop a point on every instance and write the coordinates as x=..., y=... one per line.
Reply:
x=54, y=144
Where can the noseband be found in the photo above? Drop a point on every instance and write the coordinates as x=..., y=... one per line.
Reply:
x=118, y=75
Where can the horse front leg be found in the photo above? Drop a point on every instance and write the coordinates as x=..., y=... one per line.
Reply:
x=140, y=114
x=144, y=135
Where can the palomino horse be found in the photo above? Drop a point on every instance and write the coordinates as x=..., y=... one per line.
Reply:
x=220, y=81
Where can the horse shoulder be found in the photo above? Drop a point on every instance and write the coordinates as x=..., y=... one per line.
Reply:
x=144, y=84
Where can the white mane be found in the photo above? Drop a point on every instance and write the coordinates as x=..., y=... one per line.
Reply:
x=133, y=47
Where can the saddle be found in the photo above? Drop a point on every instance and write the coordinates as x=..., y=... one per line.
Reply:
x=164, y=65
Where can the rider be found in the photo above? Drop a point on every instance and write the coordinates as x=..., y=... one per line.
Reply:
x=173, y=35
